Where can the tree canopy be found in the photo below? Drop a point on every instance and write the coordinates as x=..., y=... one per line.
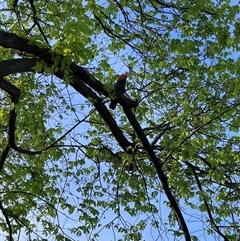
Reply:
x=164, y=165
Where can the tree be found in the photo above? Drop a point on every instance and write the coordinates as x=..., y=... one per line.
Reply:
x=71, y=168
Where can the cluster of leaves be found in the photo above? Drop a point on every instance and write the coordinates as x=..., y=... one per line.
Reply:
x=74, y=169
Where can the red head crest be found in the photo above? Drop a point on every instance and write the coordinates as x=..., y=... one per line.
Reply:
x=123, y=76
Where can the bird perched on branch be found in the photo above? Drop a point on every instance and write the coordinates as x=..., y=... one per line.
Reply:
x=119, y=88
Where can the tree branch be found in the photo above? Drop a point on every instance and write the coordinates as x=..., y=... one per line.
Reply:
x=12, y=66
x=158, y=167
x=78, y=75
x=5, y=214
x=14, y=93
x=10, y=40
x=211, y=218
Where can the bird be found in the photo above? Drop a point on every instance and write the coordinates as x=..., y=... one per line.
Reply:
x=120, y=88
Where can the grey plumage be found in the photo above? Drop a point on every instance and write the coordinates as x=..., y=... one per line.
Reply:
x=120, y=88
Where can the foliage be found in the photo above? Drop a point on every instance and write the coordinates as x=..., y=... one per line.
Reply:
x=167, y=169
